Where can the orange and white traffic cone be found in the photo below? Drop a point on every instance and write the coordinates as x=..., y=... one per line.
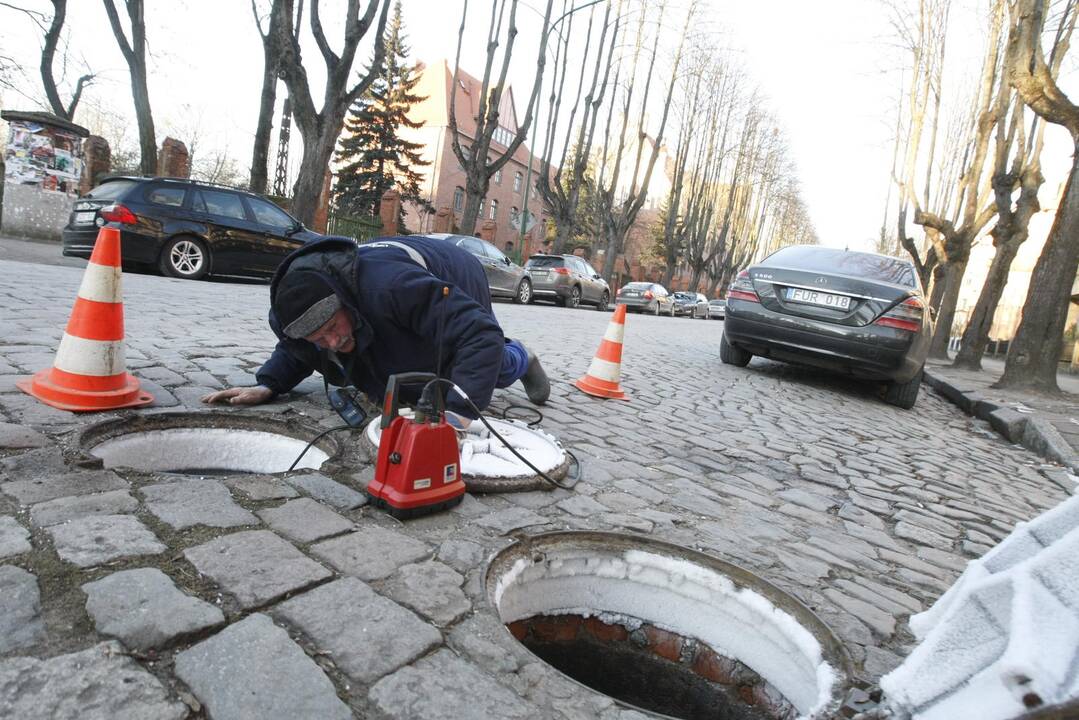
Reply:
x=605, y=372
x=89, y=373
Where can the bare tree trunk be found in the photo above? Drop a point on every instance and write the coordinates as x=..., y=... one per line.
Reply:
x=260, y=152
x=135, y=55
x=319, y=129
x=48, y=55
x=953, y=278
x=1034, y=352
x=474, y=158
x=976, y=335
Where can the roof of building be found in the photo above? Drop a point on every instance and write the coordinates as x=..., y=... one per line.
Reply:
x=44, y=118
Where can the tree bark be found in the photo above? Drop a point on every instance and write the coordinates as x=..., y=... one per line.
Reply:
x=260, y=152
x=135, y=55
x=319, y=129
x=48, y=56
x=1034, y=352
x=976, y=335
x=953, y=279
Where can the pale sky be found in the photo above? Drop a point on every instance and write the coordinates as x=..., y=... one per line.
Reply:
x=826, y=67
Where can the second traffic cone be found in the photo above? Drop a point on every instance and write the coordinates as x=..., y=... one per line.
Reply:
x=605, y=372
x=89, y=373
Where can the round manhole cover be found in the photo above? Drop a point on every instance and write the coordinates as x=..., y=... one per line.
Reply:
x=488, y=466
x=666, y=629
x=205, y=444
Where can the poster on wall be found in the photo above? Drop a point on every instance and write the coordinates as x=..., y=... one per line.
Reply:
x=43, y=155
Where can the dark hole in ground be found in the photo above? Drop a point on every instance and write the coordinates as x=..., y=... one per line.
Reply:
x=624, y=666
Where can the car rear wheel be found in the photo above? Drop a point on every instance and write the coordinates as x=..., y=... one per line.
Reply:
x=186, y=258
x=731, y=354
x=672, y=309
x=574, y=299
x=604, y=301
x=656, y=311
x=904, y=395
x=524, y=292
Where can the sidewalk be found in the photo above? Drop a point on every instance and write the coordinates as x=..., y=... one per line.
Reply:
x=1045, y=424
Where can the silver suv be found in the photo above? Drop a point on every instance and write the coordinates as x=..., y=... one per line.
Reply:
x=568, y=280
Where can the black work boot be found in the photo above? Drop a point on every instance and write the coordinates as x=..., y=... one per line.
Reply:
x=537, y=386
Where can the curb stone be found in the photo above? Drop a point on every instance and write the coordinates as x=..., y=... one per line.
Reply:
x=1036, y=434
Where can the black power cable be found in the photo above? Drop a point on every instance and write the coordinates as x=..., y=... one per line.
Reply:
x=577, y=463
x=318, y=437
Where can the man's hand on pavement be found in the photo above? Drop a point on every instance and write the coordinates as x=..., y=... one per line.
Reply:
x=240, y=396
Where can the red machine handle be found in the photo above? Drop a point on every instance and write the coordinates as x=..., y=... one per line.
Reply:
x=390, y=405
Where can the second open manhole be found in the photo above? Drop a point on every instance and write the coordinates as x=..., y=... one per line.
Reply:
x=205, y=444
x=666, y=629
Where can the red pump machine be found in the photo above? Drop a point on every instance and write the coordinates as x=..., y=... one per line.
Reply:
x=418, y=470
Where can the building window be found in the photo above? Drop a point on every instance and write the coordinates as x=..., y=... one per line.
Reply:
x=482, y=203
x=515, y=216
x=502, y=136
x=459, y=199
x=498, y=176
x=518, y=182
x=494, y=209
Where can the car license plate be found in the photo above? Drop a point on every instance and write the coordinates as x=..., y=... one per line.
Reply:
x=539, y=274
x=84, y=218
x=629, y=293
x=814, y=297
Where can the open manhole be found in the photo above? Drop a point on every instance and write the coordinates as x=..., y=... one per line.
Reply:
x=666, y=629
x=488, y=466
x=205, y=444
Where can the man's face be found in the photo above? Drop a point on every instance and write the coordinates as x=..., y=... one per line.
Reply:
x=336, y=334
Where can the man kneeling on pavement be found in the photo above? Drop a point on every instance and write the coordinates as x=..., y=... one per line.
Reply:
x=360, y=313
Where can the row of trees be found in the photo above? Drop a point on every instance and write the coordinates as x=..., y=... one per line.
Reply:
x=279, y=25
x=629, y=80
x=970, y=164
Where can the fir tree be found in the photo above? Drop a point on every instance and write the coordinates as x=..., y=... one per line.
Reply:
x=374, y=157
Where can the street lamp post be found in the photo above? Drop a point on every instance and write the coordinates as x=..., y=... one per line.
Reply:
x=535, y=126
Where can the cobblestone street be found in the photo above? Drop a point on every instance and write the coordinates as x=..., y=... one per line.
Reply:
x=286, y=596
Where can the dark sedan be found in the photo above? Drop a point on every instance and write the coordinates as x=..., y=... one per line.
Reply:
x=690, y=304
x=186, y=229
x=646, y=297
x=853, y=312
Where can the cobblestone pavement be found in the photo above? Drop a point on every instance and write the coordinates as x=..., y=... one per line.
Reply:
x=287, y=599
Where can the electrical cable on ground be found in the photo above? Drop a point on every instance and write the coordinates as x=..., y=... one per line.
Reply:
x=577, y=463
x=315, y=440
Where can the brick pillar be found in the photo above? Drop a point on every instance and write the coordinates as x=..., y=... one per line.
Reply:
x=173, y=160
x=389, y=210
x=97, y=161
x=443, y=219
x=488, y=231
x=322, y=212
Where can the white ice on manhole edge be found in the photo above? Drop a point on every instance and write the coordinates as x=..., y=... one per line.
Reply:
x=484, y=455
x=207, y=449
x=1008, y=627
x=681, y=597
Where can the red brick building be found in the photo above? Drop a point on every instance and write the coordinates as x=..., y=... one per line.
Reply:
x=443, y=185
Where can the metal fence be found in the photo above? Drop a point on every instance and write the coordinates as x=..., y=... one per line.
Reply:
x=358, y=228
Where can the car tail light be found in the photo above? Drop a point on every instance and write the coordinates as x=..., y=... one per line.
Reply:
x=907, y=315
x=561, y=271
x=118, y=213
x=742, y=288
x=648, y=295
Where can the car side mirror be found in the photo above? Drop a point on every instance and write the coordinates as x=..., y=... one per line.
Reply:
x=932, y=313
x=506, y=260
x=595, y=276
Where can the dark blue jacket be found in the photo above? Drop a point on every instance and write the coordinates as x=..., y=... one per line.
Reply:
x=397, y=307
